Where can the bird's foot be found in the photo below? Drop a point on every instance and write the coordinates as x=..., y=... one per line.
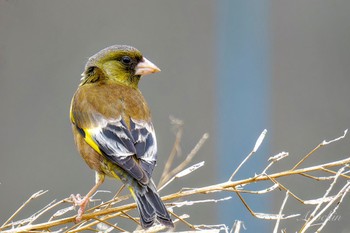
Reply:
x=82, y=203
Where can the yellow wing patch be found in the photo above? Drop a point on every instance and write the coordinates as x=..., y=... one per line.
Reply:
x=91, y=141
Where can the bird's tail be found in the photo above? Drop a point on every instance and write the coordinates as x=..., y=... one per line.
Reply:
x=150, y=206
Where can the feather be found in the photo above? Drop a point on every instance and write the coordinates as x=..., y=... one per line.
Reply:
x=133, y=150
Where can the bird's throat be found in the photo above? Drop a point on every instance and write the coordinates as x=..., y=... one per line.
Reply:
x=131, y=81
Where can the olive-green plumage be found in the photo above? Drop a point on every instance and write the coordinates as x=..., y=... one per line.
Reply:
x=112, y=128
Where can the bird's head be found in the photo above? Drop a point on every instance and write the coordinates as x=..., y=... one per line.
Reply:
x=118, y=63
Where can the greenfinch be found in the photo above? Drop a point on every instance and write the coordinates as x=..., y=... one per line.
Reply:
x=113, y=131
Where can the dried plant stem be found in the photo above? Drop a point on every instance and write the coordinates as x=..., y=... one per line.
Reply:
x=132, y=218
x=98, y=216
x=89, y=225
x=35, y=195
x=280, y=213
x=257, y=145
x=334, y=173
x=109, y=224
x=315, y=212
x=346, y=190
x=306, y=156
x=188, y=159
x=318, y=147
x=246, y=205
x=203, y=190
x=340, y=195
x=287, y=190
x=237, y=226
x=176, y=149
x=182, y=220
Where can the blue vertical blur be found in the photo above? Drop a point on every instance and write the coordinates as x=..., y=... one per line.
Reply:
x=244, y=77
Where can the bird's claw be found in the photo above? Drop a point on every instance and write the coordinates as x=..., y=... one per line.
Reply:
x=78, y=200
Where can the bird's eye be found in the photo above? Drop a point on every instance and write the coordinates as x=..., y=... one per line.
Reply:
x=126, y=60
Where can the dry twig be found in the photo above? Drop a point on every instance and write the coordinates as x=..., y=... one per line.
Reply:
x=97, y=218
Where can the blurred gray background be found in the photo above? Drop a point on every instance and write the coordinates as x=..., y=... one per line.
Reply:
x=230, y=68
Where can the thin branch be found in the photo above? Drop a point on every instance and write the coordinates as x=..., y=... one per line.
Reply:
x=182, y=220
x=334, y=209
x=257, y=145
x=189, y=203
x=178, y=125
x=287, y=190
x=326, y=193
x=93, y=223
x=333, y=172
x=315, y=213
x=262, y=191
x=275, y=159
x=206, y=189
x=280, y=213
x=182, y=173
x=246, y=205
x=110, y=224
x=315, y=177
x=132, y=218
x=324, y=143
x=98, y=216
x=340, y=194
x=35, y=195
x=188, y=159
x=237, y=226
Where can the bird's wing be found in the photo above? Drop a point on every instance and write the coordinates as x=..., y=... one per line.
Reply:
x=145, y=143
x=113, y=139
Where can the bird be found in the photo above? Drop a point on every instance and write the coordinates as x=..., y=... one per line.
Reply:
x=113, y=130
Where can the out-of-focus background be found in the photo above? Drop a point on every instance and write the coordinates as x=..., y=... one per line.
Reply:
x=229, y=68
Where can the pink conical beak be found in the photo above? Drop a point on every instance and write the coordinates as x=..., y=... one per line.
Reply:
x=146, y=67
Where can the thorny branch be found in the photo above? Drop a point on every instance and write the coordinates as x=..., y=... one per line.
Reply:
x=97, y=219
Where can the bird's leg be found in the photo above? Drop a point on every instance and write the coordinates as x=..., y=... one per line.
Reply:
x=82, y=202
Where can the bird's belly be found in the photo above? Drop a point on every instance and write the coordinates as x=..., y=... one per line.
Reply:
x=114, y=171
